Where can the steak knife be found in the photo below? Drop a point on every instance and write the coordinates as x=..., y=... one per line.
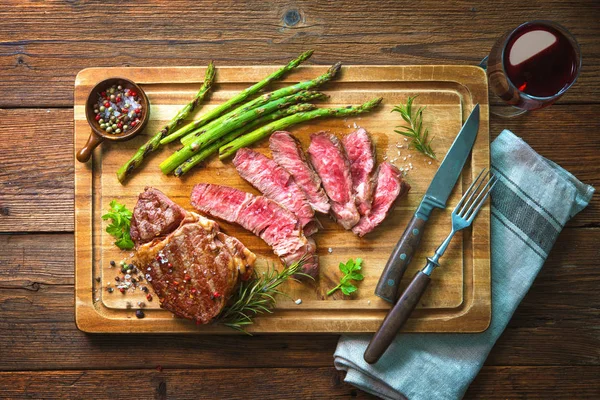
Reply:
x=436, y=196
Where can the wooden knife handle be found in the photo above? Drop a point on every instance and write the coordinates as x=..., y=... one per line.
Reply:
x=387, y=287
x=396, y=318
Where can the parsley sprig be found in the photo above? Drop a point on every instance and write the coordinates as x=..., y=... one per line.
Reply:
x=415, y=129
x=351, y=273
x=120, y=218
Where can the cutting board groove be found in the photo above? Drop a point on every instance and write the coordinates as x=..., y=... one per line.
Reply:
x=458, y=299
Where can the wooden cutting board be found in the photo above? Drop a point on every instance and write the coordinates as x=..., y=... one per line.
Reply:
x=458, y=299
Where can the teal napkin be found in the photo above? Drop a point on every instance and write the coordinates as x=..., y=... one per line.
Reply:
x=531, y=203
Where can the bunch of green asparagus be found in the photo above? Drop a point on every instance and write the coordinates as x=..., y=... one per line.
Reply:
x=226, y=129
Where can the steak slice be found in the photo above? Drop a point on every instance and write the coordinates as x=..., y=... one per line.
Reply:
x=278, y=227
x=195, y=269
x=154, y=216
x=361, y=154
x=286, y=151
x=388, y=188
x=277, y=184
x=329, y=160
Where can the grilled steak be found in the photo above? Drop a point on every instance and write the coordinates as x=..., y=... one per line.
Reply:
x=286, y=151
x=361, y=154
x=388, y=188
x=194, y=268
x=154, y=215
x=263, y=217
x=276, y=184
x=329, y=160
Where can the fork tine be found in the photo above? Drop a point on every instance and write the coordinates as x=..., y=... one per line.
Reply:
x=487, y=189
x=473, y=194
x=464, y=196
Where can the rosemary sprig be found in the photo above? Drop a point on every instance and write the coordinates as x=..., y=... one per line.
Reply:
x=257, y=296
x=415, y=128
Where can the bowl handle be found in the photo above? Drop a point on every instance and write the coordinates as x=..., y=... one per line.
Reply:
x=86, y=152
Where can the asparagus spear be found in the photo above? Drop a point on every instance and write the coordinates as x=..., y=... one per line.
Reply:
x=265, y=98
x=214, y=147
x=244, y=94
x=254, y=136
x=154, y=142
x=209, y=137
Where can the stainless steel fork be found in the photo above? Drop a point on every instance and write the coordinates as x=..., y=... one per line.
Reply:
x=463, y=215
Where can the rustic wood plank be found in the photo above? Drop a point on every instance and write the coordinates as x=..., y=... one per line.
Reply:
x=27, y=261
x=248, y=383
x=280, y=383
x=552, y=325
x=535, y=383
x=38, y=195
x=36, y=170
x=45, y=44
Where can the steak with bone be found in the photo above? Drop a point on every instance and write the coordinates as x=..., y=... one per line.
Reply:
x=286, y=151
x=277, y=184
x=388, y=188
x=278, y=227
x=193, y=267
x=329, y=159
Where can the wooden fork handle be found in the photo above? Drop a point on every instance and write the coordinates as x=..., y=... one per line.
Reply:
x=396, y=318
x=387, y=287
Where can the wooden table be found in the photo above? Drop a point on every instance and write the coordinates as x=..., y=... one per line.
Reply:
x=551, y=348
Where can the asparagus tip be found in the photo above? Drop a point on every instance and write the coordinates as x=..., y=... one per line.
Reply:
x=334, y=69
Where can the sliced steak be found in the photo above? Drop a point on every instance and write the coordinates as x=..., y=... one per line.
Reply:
x=286, y=151
x=388, y=188
x=278, y=227
x=154, y=216
x=195, y=269
x=361, y=154
x=329, y=160
x=277, y=184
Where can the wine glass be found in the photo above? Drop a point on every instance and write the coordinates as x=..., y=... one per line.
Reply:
x=532, y=66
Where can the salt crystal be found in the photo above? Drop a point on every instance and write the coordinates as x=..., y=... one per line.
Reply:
x=409, y=156
x=369, y=302
x=330, y=250
x=355, y=126
x=405, y=139
x=429, y=163
x=299, y=301
x=404, y=158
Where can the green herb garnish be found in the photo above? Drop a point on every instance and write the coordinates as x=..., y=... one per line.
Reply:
x=415, y=128
x=257, y=296
x=350, y=270
x=120, y=218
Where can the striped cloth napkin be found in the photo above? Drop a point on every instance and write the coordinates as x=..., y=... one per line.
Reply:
x=531, y=203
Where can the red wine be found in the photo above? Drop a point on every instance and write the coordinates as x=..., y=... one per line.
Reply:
x=540, y=60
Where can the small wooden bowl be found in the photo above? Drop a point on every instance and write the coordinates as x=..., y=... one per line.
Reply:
x=98, y=135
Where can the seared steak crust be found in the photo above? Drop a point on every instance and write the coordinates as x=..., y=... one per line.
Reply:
x=389, y=187
x=329, y=160
x=195, y=269
x=286, y=151
x=154, y=216
x=192, y=266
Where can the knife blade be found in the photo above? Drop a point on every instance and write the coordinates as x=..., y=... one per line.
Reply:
x=436, y=196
